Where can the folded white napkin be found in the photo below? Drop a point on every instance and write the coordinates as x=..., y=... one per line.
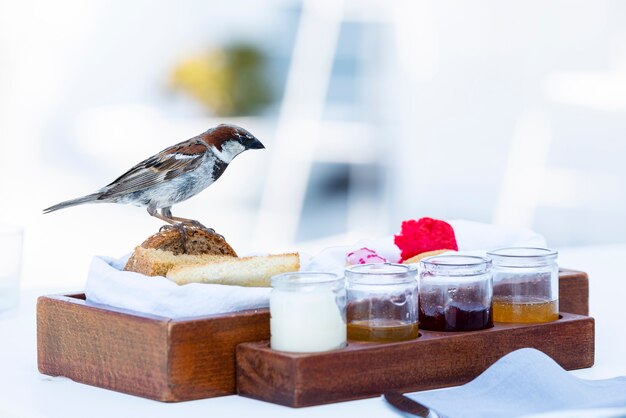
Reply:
x=108, y=283
x=524, y=382
x=472, y=238
x=478, y=236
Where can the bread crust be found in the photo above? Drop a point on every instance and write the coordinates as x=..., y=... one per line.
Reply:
x=156, y=262
x=419, y=257
x=199, y=241
x=165, y=249
x=253, y=271
x=206, y=258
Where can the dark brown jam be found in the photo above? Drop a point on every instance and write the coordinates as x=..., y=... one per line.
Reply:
x=468, y=317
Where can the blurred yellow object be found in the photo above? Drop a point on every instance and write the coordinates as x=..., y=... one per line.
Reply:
x=227, y=81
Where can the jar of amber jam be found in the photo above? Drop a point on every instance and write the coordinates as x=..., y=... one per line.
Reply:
x=525, y=284
x=382, y=302
x=455, y=293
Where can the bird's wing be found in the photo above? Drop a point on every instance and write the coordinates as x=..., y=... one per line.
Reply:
x=166, y=165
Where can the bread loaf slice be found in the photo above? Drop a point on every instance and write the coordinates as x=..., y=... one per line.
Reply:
x=156, y=262
x=245, y=271
x=165, y=249
x=199, y=241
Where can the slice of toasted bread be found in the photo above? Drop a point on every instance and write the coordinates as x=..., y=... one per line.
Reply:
x=245, y=271
x=156, y=262
x=165, y=249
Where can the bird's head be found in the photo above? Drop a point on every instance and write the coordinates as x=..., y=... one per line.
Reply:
x=228, y=141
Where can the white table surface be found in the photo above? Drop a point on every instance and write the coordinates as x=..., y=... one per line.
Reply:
x=24, y=392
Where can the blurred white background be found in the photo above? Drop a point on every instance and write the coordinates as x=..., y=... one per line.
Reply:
x=495, y=111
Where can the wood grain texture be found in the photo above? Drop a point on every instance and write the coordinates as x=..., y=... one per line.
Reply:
x=435, y=360
x=144, y=355
x=202, y=352
x=113, y=350
x=573, y=292
x=175, y=360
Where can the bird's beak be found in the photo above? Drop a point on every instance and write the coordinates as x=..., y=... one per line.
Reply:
x=256, y=144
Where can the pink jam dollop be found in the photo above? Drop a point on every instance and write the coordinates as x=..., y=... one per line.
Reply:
x=364, y=256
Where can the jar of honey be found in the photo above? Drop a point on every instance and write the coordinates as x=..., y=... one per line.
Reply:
x=455, y=293
x=382, y=302
x=525, y=284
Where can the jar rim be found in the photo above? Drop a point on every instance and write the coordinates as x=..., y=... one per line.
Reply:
x=362, y=269
x=304, y=278
x=456, y=265
x=532, y=253
x=375, y=273
x=448, y=260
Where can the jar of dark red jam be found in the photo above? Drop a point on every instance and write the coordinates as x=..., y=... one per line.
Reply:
x=456, y=293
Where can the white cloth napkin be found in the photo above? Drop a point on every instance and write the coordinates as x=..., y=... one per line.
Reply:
x=472, y=238
x=524, y=382
x=108, y=283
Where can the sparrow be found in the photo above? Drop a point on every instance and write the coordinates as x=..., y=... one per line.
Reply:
x=174, y=174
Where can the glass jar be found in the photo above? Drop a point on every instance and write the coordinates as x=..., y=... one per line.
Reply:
x=382, y=302
x=455, y=293
x=307, y=312
x=525, y=284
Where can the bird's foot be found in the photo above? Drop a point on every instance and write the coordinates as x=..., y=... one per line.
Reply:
x=198, y=225
x=210, y=231
x=180, y=227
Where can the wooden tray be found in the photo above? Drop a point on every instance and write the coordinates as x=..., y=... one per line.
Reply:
x=170, y=360
x=573, y=292
x=434, y=360
x=144, y=355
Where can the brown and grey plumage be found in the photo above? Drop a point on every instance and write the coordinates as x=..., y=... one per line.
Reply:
x=174, y=174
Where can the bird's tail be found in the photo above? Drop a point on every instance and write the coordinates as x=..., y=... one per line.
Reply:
x=73, y=202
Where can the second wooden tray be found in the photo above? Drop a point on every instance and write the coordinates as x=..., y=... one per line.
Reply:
x=434, y=360
x=165, y=359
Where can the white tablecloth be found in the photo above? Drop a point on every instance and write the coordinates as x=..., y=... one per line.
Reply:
x=26, y=393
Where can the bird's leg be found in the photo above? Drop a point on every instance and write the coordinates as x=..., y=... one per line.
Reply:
x=196, y=224
x=168, y=213
x=172, y=224
x=191, y=222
